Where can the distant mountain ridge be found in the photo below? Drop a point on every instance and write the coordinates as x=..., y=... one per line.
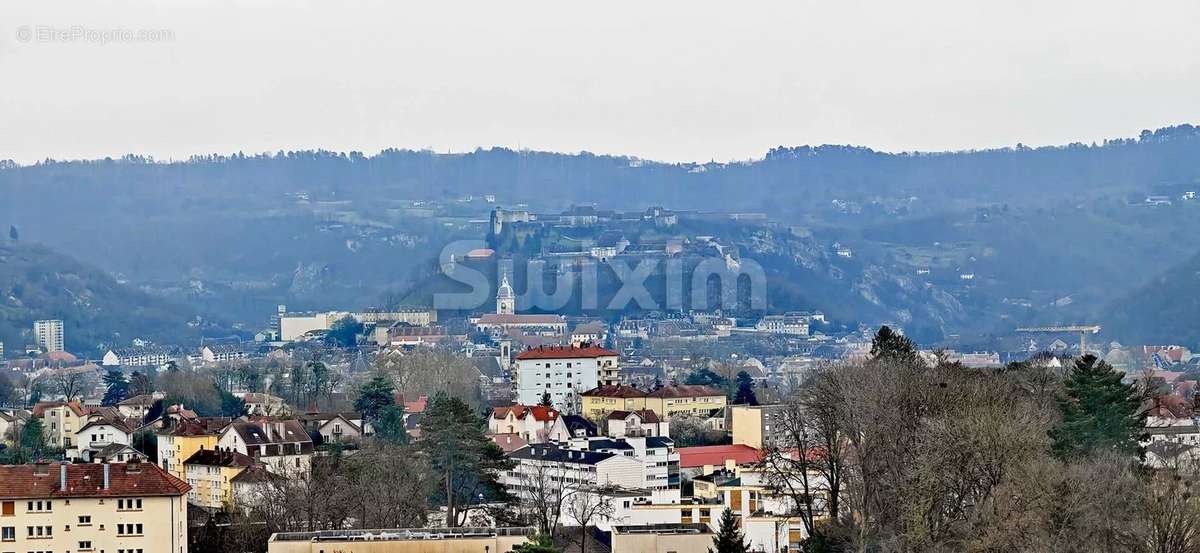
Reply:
x=39, y=283
x=235, y=235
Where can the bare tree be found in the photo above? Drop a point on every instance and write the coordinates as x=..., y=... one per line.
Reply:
x=72, y=383
x=1172, y=511
x=544, y=489
x=587, y=506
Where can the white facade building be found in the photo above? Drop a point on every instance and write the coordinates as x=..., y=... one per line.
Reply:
x=564, y=372
x=48, y=335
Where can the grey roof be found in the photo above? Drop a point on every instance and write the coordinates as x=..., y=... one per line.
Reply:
x=606, y=443
x=557, y=454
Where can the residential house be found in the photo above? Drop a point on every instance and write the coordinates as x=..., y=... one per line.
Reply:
x=60, y=421
x=210, y=473
x=98, y=433
x=138, y=406
x=535, y=424
x=179, y=440
x=636, y=423
x=706, y=459
x=118, y=453
x=117, y=508
x=334, y=427
x=265, y=405
x=283, y=446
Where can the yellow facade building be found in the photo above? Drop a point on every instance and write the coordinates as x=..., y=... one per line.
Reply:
x=182, y=439
x=666, y=402
x=92, y=507
x=211, y=475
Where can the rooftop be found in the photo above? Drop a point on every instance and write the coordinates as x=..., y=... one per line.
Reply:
x=401, y=534
x=46, y=480
x=566, y=352
x=690, y=457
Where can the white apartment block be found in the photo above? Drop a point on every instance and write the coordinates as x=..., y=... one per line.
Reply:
x=48, y=335
x=564, y=372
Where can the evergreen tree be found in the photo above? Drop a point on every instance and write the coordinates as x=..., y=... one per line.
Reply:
x=1099, y=412
x=116, y=387
x=729, y=539
x=889, y=345
x=389, y=425
x=546, y=401
x=454, y=440
x=374, y=396
x=745, y=390
x=12, y=233
x=231, y=405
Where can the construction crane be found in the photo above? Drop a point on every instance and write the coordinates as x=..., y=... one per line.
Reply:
x=1083, y=331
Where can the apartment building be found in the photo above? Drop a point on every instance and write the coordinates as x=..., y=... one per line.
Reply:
x=48, y=335
x=657, y=454
x=91, y=507
x=598, y=403
x=541, y=465
x=211, y=474
x=563, y=372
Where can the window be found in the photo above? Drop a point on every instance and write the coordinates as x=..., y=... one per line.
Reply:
x=8, y=533
x=85, y=520
x=36, y=532
x=85, y=546
x=7, y=508
x=38, y=506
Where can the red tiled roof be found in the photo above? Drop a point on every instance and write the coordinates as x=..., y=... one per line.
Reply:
x=695, y=457
x=685, y=390
x=566, y=352
x=87, y=480
x=509, y=442
x=540, y=413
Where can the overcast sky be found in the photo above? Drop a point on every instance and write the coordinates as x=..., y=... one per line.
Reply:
x=670, y=80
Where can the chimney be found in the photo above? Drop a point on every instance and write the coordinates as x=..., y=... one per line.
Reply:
x=62, y=477
x=106, y=476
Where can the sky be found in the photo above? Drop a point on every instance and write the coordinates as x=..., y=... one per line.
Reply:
x=662, y=79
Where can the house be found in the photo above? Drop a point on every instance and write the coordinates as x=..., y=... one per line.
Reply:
x=580, y=427
x=334, y=427
x=283, y=446
x=179, y=440
x=405, y=336
x=92, y=507
x=60, y=420
x=210, y=474
x=639, y=422
x=563, y=372
x=758, y=426
x=138, y=406
x=535, y=424
x=98, y=433
x=592, y=332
